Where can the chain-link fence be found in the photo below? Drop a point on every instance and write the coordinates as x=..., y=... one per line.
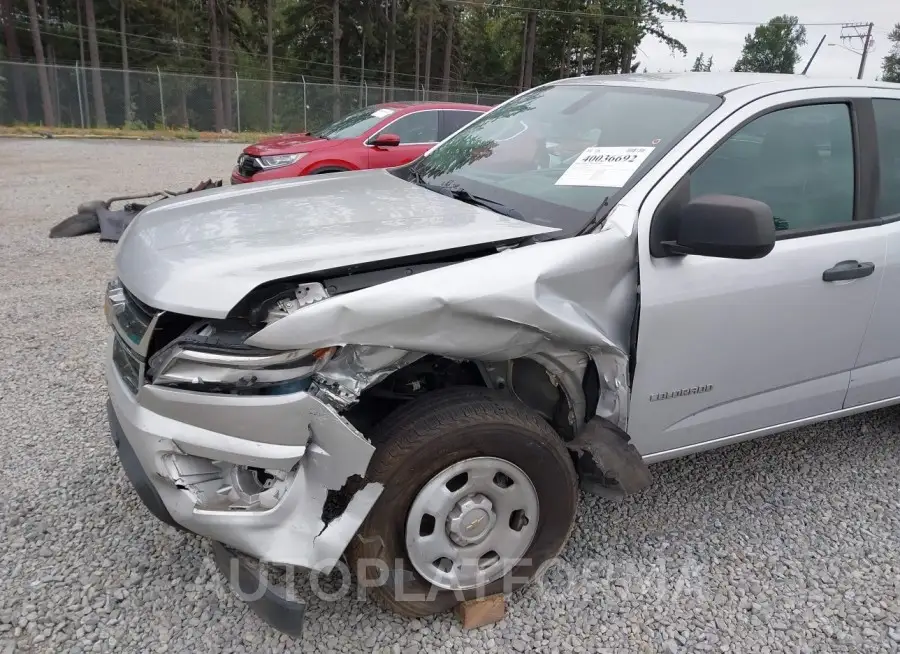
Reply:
x=173, y=100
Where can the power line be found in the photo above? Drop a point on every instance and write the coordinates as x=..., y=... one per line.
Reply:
x=203, y=46
x=612, y=17
x=139, y=49
x=263, y=78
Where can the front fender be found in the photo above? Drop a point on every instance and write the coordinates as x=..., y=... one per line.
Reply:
x=578, y=293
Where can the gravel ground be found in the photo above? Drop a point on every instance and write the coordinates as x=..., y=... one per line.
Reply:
x=789, y=543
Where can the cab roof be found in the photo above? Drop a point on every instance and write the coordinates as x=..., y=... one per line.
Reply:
x=430, y=104
x=722, y=83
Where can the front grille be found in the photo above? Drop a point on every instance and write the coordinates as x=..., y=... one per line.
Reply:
x=134, y=317
x=134, y=324
x=127, y=364
x=248, y=165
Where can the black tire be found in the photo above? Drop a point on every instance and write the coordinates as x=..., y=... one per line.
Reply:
x=424, y=437
x=77, y=225
x=329, y=169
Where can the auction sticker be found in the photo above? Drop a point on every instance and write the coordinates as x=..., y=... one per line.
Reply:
x=604, y=166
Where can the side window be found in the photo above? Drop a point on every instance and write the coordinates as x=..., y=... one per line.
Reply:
x=420, y=127
x=887, y=120
x=799, y=161
x=456, y=119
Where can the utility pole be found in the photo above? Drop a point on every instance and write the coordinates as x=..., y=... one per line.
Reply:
x=815, y=52
x=852, y=31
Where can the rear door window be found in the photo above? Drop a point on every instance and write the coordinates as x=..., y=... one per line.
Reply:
x=454, y=119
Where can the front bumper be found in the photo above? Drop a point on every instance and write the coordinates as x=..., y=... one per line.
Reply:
x=167, y=440
x=284, y=172
x=237, y=178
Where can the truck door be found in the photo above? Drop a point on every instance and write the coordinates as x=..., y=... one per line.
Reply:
x=726, y=348
x=876, y=377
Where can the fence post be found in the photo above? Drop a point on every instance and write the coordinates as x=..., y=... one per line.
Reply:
x=78, y=88
x=162, y=106
x=87, y=100
x=56, y=87
x=476, y=96
x=366, y=87
x=237, y=93
x=424, y=97
x=303, y=77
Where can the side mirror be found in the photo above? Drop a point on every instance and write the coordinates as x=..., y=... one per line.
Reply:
x=386, y=141
x=724, y=226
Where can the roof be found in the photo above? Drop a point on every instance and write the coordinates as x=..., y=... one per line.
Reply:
x=432, y=104
x=719, y=83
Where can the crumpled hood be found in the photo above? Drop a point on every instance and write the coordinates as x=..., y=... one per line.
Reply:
x=200, y=254
x=291, y=143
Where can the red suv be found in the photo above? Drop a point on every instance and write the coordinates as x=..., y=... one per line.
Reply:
x=380, y=136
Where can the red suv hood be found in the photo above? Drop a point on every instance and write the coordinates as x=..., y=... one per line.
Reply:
x=291, y=143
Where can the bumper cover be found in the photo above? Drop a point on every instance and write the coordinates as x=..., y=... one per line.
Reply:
x=237, y=178
x=267, y=601
x=187, y=426
x=135, y=472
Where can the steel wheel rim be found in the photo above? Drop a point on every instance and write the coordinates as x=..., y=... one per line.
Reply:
x=472, y=523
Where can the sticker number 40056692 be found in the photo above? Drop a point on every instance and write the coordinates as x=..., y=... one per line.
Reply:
x=610, y=167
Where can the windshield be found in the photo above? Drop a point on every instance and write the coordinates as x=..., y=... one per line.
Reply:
x=356, y=124
x=556, y=153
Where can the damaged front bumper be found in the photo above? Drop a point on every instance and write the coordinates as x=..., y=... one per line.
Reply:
x=252, y=472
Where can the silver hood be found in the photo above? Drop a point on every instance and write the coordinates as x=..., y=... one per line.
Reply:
x=200, y=254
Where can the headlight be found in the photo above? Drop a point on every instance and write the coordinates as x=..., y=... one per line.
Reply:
x=220, y=371
x=204, y=358
x=213, y=355
x=279, y=160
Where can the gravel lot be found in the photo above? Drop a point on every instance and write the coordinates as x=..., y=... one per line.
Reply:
x=789, y=543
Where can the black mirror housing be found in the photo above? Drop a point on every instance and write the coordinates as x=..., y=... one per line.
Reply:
x=724, y=226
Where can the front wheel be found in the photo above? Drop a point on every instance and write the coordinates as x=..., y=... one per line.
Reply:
x=479, y=492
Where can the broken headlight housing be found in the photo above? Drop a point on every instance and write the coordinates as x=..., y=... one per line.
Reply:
x=213, y=355
x=211, y=358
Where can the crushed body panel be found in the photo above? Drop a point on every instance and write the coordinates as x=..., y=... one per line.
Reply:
x=191, y=465
x=572, y=294
x=607, y=462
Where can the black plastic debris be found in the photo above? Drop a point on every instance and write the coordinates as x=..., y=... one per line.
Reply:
x=97, y=216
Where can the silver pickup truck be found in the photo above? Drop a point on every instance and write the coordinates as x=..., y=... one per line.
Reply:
x=414, y=369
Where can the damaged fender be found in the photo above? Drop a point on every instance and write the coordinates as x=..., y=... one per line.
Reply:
x=608, y=464
x=576, y=294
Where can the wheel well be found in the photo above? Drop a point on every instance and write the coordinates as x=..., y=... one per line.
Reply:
x=565, y=400
x=328, y=169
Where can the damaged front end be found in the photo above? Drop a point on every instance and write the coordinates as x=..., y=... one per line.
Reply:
x=251, y=428
x=230, y=438
x=551, y=323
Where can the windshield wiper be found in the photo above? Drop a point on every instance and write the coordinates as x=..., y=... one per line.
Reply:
x=461, y=194
x=596, y=219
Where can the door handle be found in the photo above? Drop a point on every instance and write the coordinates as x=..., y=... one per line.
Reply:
x=851, y=269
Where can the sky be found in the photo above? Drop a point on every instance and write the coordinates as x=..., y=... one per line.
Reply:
x=724, y=42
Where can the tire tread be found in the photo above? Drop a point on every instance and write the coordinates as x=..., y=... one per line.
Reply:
x=412, y=427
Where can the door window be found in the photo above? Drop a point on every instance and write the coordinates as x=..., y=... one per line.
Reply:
x=799, y=161
x=419, y=127
x=456, y=119
x=887, y=120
